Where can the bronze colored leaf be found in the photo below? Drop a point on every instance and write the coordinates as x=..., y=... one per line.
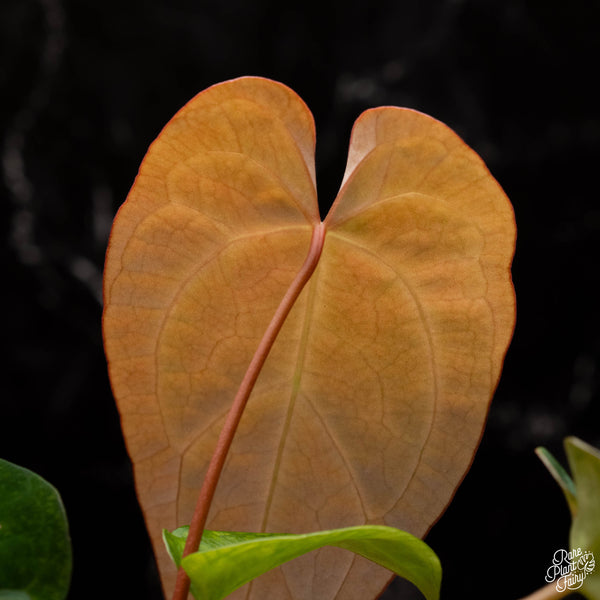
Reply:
x=372, y=401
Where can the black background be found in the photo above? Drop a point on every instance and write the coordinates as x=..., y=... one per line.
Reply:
x=85, y=86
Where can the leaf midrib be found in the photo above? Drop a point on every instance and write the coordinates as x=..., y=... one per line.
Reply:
x=296, y=380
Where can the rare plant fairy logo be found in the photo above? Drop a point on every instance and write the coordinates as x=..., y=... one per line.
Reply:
x=569, y=569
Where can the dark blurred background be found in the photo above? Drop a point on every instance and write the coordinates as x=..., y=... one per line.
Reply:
x=85, y=86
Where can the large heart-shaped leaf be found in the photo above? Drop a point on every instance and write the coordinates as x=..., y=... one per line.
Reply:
x=373, y=398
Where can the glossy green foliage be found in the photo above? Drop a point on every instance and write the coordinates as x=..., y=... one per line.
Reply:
x=35, y=548
x=228, y=560
x=583, y=497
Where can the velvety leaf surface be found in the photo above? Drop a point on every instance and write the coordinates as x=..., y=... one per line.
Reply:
x=227, y=560
x=373, y=398
x=35, y=549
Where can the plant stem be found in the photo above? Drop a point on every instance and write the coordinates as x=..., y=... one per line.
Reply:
x=182, y=584
x=548, y=592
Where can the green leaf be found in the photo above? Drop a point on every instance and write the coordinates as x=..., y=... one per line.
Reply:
x=561, y=477
x=35, y=548
x=583, y=496
x=228, y=560
x=584, y=461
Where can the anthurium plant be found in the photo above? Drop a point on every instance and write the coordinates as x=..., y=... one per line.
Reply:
x=327, y=373
x=301, y=396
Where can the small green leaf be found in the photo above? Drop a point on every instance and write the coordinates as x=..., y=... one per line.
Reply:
x=584, y=461
x=35, y=549
x=228, y=560
x=583, y=496
x=561, y=477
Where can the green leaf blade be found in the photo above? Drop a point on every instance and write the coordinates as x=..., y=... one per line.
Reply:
x=584, y=461
x=35, y=548
x=560, y=476
x=227, y=560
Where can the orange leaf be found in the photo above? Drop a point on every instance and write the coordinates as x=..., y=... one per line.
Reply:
x=373, y=398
